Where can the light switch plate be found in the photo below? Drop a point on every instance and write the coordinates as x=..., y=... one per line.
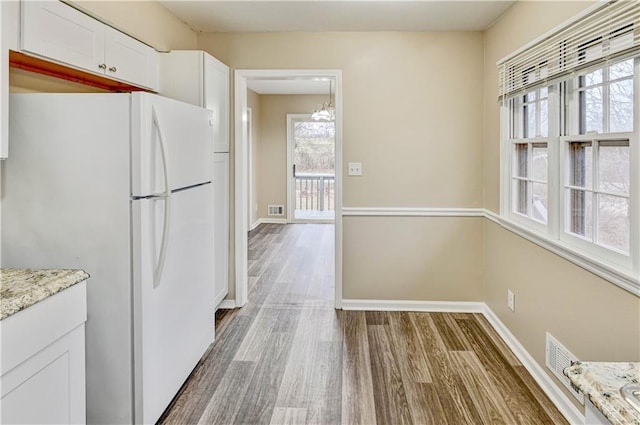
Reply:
x=511, y=300
x=355, y=168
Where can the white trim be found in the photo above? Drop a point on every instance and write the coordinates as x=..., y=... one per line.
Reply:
x=227, y=304
x=254, y=225
x=595, y=266
x=413, y=212
x=241, y=209
x=425, y=306
x=553, y=391
x=268, y=221
x=250, y=171
x=291, y=118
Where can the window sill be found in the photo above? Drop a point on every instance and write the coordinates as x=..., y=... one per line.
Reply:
x=618, y=276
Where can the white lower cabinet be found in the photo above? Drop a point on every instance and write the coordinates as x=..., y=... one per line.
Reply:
x=43, y=361
x=592, y=416
x=221, y=225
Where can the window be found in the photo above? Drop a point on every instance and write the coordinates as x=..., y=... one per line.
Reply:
x=597, y=196
x=529, y=153
x=597, y=178
x=570, y=133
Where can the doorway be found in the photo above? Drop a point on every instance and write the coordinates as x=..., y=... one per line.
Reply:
x=241, y=78
x=311, y=169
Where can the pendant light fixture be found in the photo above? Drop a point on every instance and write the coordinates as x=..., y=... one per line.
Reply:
x=326, y=111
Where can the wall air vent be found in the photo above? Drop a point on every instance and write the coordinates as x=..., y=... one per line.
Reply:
x=275, y=210
x=557, y=359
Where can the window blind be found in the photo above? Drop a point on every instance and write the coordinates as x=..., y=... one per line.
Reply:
x=608, y=33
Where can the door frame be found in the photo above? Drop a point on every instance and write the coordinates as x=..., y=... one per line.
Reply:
x=241, y=170
x=250, y=194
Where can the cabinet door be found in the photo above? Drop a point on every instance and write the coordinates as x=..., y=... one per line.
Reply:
x=221, y=225
x=60, y=32
x=216, y=98
x=129, y=60
x=181, y=76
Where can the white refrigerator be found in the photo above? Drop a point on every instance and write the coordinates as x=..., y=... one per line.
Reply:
x=119, y=185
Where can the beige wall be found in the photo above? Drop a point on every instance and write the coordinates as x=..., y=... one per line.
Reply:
x=254, y=102
x=412, y=115
x=413, y=258
x=595, y=319
x=411, y=107
x=273, y=149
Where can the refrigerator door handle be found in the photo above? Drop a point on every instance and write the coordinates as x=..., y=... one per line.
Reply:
x=166, y=197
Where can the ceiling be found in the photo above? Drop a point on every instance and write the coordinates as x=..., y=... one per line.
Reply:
x=336, y=15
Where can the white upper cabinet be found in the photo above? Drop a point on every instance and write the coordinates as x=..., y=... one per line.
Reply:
x=57, y=31
x=198, y=78
x=129, y=60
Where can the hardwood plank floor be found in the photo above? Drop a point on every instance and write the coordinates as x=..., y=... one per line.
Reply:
x=288, y=357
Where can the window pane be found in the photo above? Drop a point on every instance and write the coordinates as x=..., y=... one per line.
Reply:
x=581, y=164
x=544, y=118
x=539, y=168
x=520, y=157
x=539, y=202
x=613, y=167
x=621, y=106
x=544, y=92
x=530, y=120
x=530, y=97
x=613, y=222
x=621, y=70
x=520, y=194
x=591, y=110
x=581, y=213
x=592, y=78
x=314, y=147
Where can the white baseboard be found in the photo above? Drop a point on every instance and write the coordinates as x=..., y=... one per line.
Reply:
x=413, y=212
x=553, y=391
x=427, y=306
x=268, y=221
x=227, y=304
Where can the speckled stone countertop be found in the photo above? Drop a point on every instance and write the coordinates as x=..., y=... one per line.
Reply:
x=22, y=288
x=601, y=383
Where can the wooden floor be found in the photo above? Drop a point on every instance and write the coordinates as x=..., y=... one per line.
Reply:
x=288, y=357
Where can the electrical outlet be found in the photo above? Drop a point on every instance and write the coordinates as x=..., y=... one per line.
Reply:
x=511, y=300
x=355, y=168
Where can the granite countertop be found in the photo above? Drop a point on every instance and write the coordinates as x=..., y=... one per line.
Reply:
x=601, y=383
x=22, y=288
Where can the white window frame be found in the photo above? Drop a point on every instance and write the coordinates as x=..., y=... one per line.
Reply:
x=513, y=114
x=621, y=269
x=592, y=247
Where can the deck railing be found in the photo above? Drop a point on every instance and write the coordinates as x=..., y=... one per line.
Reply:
x=315, y=192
